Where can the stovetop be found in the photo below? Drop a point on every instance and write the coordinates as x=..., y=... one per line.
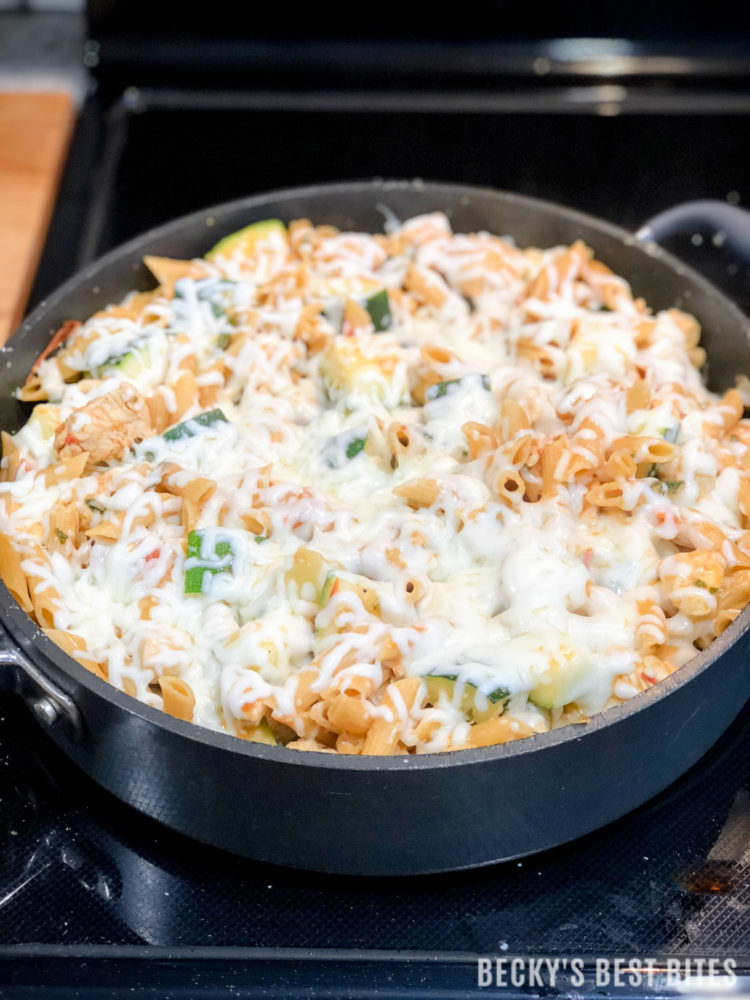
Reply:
x=95, y=898
x=86, y=879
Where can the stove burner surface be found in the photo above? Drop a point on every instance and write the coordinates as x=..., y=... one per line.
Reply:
x=80, y=868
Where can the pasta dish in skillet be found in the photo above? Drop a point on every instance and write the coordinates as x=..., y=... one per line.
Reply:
x=397, y=493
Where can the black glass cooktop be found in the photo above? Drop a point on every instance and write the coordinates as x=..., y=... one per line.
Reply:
x=85, y=879
x=100, y=901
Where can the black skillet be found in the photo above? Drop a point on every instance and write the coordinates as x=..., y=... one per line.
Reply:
x=385, y=815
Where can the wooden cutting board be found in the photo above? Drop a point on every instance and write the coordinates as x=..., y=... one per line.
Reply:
x=35, y=130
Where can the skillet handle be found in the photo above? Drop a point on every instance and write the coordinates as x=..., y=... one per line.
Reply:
x=729, y=220
x=49, y=703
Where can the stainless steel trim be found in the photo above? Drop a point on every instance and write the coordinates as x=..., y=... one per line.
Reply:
x=49, y=703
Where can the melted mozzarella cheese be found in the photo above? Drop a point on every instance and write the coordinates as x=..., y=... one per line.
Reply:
x=311, y=483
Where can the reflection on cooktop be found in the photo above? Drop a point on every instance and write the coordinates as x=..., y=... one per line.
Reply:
x=78, y=867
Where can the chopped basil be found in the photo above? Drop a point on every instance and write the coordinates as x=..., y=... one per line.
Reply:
x=61, y=536
x=379, y=308
x=222, y=341
x=440, y=389
x=338, y=450
x=187, y=430
x=499, y=694
x=95, y=505
x=355, y=447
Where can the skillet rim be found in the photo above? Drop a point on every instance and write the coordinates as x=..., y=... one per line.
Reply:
x=18, y=622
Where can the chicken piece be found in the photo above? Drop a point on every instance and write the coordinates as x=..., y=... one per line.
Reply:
x=106, y=426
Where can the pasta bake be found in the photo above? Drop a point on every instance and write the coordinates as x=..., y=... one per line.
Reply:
x=408, y=492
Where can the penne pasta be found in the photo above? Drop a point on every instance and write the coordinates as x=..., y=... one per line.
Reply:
x=418, y=492
x=12, y=574
x=178, y=697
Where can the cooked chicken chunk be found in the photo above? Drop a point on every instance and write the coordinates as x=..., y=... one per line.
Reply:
x=106, y=426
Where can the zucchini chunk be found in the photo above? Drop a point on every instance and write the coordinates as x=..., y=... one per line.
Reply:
x=334, y=583
x=564, y=681
x=188, y=428
x=306, y=573
x=446, y=684
x=263, y=734
x=244, y=241
x=128, y=364
x=46, y=418
x=379, y=308
x=346, y=369
x=198, y=563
